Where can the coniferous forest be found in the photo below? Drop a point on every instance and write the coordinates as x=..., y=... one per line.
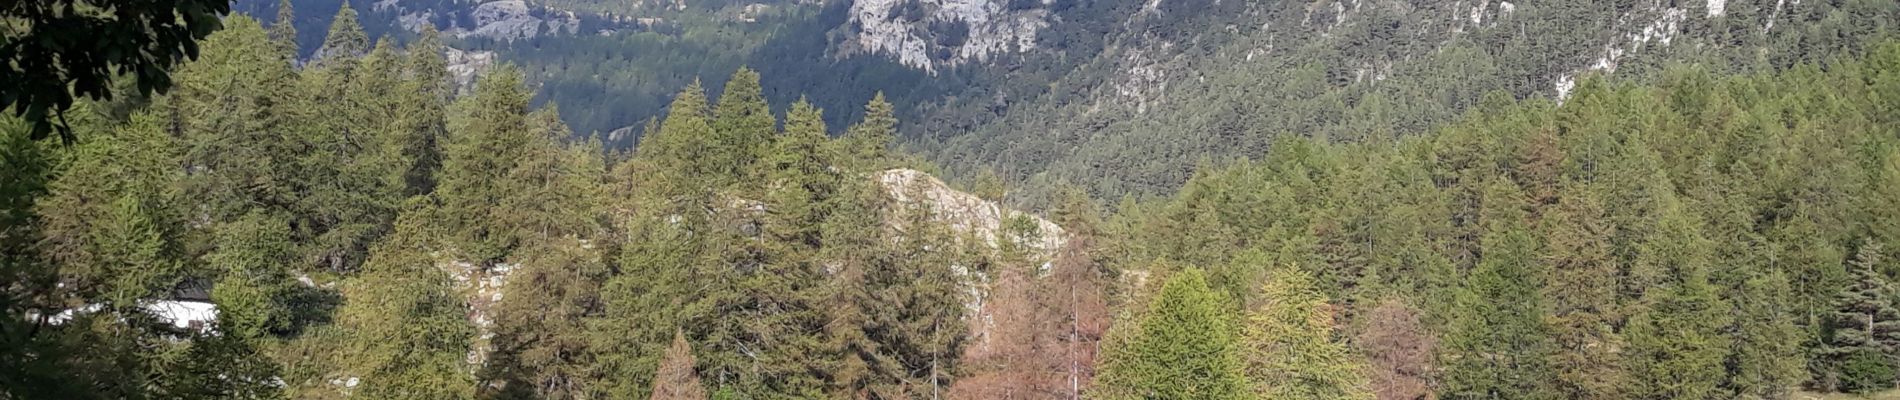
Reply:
x=244, y=220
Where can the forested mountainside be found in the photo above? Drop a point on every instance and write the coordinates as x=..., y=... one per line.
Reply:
x=1125, y=97
x=1714, y=220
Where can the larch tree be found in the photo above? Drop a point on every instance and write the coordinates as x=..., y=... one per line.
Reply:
x=346, y=39
x=1582, y=296
x=110, y=221
x=489, y=133
x=915, y=312
x=1183, y=347
x=1499, y=346
x=854, y=236
x=675, y=379
x=252, y=260
x=783, y=297
x=407, y=328
x=283, y=31
x=1399, y=351
x=1289, y=347
x=1674, y=332
x=678, y=152
x=743, y=126
x=424, y=88
x=869, y=141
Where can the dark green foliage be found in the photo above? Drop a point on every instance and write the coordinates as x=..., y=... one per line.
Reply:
x=1865, y=322
x=58, y=50
x=491, y=128
x=1681, y=239
x=1500, y=347
x=1866, y=371
x=743, y=125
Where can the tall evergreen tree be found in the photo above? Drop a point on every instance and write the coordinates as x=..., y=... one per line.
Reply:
x=869, y=141
x=490, y=130
x=110, y=221
x=1184, y=347
x=237, y=111
x=742, y=125
x=252, y=258
x=407, y=329
x=1864, y=329
x=1289, y=345
x=853, y=238
x=346, y=39
x=424, y=90
x=1674, y=333
x=1499, y=343
x=1765, y=357
x=782, y=300
x=677, y=154
x=283, y=31
x=916, y=305
x=1582, y=296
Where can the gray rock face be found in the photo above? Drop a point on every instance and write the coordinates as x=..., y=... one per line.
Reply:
x=505, y=20
x=467, y=66
x=929, y=34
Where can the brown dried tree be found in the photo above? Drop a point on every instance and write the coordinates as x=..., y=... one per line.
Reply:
x=676, y=379
x=1400, y=352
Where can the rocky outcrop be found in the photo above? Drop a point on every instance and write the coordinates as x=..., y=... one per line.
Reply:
x=505, y=20
x=930, y=34
x=969, y=215
x=467, y=66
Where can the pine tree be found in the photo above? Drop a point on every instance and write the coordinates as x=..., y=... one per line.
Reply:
x=540, y=334
x=1674, y=333
x=1184, y=347
x=1864, y=329
x=1289, y=346
x=110, y=220
x=645, y=302
x=742, y=125
x=1500, y=347
x=406, y=327
x=252, y=258
x=283, y=31
x=346, y=39
x=238, y=112
x=853, y=238
x=489, y=134
x=800, y=180
x=785, y=319
x=1883, y=203
x=676, y=379
x=1766, y=358
x=677, y=155
x=352, y=186
x=1582, y=295
x=869, y=142
x=916, y=308
x=424, y=90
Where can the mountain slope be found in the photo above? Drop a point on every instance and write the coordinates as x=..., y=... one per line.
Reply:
x=1126, y=96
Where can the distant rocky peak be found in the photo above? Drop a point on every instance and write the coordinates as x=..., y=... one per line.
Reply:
x=932, y=34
